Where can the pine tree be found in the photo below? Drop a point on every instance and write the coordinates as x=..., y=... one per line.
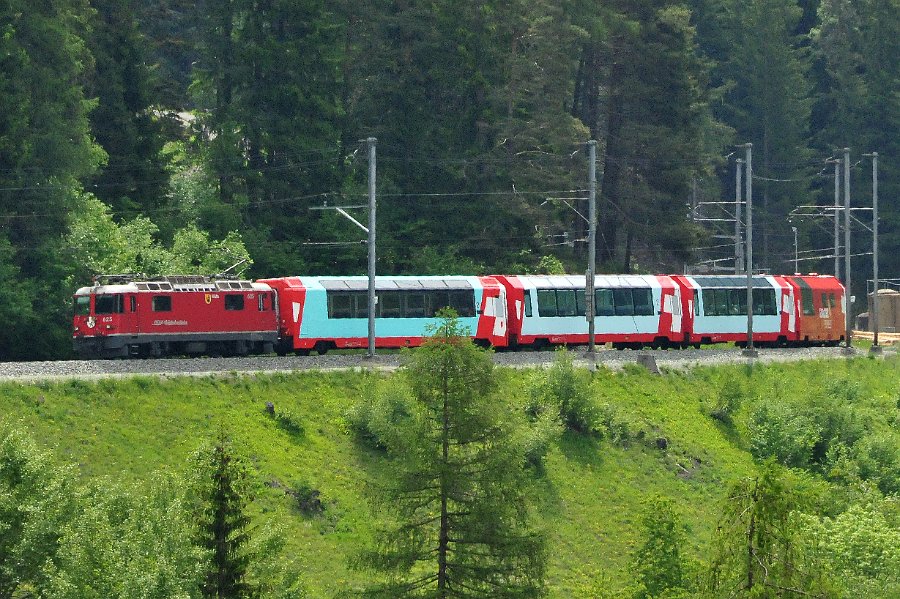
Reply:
x=223, y=523
x=133, y=178
x=768, y=104
x=458, y=513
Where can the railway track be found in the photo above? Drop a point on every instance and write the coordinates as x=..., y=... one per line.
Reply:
x=677, y=359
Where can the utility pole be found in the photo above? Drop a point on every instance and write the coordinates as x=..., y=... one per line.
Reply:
x=371, y=240
x=875, y=349
x=848, y=348
x=796, y=259
x=749, y=350
x=837, y=222
x=590, y=311
x=738, y=242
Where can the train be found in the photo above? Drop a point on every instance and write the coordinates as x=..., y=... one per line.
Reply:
x=130, y=316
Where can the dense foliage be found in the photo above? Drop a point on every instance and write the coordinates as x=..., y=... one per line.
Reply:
x=125, y=124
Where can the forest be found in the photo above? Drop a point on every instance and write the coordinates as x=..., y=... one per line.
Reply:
x=170, y=136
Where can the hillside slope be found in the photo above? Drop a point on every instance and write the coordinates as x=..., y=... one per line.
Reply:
x=659, y=439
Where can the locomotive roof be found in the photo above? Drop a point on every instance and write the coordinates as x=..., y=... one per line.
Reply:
x=177, y=284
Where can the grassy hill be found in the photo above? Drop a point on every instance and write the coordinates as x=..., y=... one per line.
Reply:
x=659, y=439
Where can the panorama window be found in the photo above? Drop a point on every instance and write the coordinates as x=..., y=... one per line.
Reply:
x=389, y=304
x=547, y=302
x=764, y=302
x=419, y=303
x=565, y=302
x=605, y=304
x=624, y=302
x=643, y=302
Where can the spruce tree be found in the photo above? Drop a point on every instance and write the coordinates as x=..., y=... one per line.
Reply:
x=223, y=523
x=458, y=522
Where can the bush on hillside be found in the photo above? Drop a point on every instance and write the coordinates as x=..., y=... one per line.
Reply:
x=777, y=429
x=566, y=390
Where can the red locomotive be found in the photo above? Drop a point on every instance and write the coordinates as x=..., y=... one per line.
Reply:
x=124, y=316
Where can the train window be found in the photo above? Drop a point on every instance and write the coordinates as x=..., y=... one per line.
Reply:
x=360, y=304
x=806, y=298
x=389, y=304
x=696, y=303
x=82, y=305
x=463, y=302
x=162, y=303
x=414, y=304
x=721, y=302
x=109, y=304
x=565, y=302
x=624, y=302
x=340, y=305
x=132, y=303
x=832, y=301
x=234, y=301
x=643, y=302
x=261, y=302
x=737, y=302
x=528, y=311
x=579, y=302
x=603, y=300
x=764, y=302
x=824, y=300
x=546, y=302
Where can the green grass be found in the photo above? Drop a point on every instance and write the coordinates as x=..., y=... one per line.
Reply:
x=588, y=497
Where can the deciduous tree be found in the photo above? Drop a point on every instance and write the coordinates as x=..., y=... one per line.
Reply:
x=458, y=520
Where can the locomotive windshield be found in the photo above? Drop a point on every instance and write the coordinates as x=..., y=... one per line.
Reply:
x=82, y=305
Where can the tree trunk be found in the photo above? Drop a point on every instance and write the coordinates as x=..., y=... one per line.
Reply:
x=444, y=533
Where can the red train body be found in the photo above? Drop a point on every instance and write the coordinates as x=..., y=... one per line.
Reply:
x=124, y=316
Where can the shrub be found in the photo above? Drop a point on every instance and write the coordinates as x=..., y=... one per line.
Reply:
x=728, y=400
x=542, y=432
x=777, y=429
x=567, y=390
x=374, y=415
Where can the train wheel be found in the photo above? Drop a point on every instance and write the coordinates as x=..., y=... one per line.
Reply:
x=321, y=347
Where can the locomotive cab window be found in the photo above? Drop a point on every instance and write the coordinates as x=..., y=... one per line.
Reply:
x=162, y=303
x=82, y=305
x=261, y=302
x=234, y=301
x=528, y=312
x=109, y=304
